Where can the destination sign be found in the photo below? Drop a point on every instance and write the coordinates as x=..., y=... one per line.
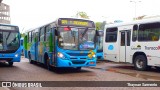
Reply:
x=75, y=22
x=7, y=28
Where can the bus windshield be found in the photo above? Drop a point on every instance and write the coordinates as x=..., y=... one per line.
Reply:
x=100, y=40
x=9, y=41
x=76, y=38
x=100, y=43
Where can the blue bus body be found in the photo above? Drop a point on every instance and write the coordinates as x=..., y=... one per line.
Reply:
x=21, y=41
x=100, y=45
x=10, y=48
x=60, y=45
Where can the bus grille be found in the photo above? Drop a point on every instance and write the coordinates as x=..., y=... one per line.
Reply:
x=77, y=54
x=78, y=62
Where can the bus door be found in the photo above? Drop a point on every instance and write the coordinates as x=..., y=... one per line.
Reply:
x=33, y=45
x=124, y=45
x=40, y=45
x=36, y=45
x=53, y=40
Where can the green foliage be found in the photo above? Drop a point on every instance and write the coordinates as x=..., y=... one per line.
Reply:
x=22, y=35
x=82, y=15
x=98, y=25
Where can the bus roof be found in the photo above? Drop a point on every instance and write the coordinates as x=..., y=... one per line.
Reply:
x=55, y=22
x=151, y=20
x=8, y=25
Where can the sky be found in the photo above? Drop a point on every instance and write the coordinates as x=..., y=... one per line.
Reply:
x=29, y=14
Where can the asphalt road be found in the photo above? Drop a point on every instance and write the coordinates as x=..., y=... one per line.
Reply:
x=104, y=71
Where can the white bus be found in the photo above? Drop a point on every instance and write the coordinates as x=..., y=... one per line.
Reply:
x=137, y=42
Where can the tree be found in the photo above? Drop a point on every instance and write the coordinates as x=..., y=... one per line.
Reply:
x=82, y=15
x=98, y=25
x=139, y=17
x=103, y=25
x=22, y=34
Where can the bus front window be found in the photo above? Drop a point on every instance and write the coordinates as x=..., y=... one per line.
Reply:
x=9, y=41
x=76, y=38
x=100, y=43
x=86, y=39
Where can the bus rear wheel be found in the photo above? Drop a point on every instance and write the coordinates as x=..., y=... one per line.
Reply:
x=10, y=64
x=140, y=63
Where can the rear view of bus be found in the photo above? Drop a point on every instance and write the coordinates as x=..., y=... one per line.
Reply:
x=10, y=48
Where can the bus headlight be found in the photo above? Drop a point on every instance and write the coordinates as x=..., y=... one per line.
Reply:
x=16, y=55
x=94, y=55
x=60, y=55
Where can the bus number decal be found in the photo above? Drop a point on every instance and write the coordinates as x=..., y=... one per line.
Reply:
x=110, y=47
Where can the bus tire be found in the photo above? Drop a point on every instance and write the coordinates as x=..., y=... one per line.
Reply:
x=30, y=60
x=140, y=63
x=10, y=64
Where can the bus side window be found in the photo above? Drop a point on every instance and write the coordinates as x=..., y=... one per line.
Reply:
x=134, y=34
x=47, y=34
x=38, y=32
x=33, y=36
x=42, y=34
x=111, y=34
x=30, y=37
x=149, y=32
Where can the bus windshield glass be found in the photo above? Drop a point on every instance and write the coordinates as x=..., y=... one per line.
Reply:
x=100, y=43
x=9, y=41
x=100, y=40
x=76, y=38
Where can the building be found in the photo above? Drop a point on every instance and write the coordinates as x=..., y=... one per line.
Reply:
x=4, y=13
x=0, y=1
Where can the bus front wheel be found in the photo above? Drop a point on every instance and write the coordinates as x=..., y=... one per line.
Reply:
x=10, y=64
x=140, y=62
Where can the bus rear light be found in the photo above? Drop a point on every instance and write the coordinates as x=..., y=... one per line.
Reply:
x=67, y=28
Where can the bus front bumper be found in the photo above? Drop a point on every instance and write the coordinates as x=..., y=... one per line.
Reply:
x=75, y=63
x=10, y=57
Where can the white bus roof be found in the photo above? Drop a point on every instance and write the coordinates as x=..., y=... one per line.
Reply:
x=133, y=22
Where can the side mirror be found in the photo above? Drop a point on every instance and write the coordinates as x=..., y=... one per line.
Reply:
x=56, y=32
x=97, y=33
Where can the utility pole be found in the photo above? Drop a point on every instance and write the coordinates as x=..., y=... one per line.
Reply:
x=135, y=2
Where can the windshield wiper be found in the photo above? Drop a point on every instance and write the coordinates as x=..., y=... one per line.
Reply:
x=84, y=32
x=86, y=29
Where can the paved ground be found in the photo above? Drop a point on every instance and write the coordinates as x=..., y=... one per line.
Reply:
x=104, y=71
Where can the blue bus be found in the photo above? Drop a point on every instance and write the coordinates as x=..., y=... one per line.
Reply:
x=10, y=48
x=100, y=45
x=21, y=40
x=66, y=42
